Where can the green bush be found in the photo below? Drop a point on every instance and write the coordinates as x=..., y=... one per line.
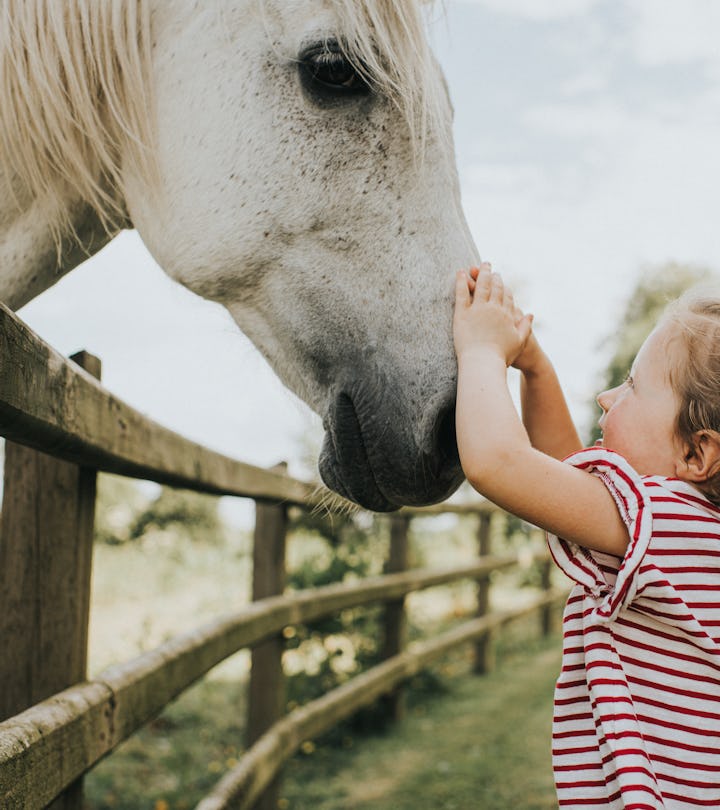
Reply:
x=124, y=513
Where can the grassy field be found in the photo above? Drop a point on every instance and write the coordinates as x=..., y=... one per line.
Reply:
x=482, y=742
x=467, y=742
x=484, y=745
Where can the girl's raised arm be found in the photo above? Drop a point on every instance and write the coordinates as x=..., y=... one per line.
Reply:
x=495, y=449
x=545, y=412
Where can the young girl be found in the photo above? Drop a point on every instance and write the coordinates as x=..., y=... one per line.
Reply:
x=634, y=521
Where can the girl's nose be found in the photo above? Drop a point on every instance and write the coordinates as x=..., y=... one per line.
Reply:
x=605, y=399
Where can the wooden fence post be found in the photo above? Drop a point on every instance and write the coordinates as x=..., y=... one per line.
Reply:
x=46, y=539
x=484, y=648
x=395, y=621
x=266, y=697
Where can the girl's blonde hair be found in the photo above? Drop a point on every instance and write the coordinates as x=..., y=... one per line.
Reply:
x=695, y=377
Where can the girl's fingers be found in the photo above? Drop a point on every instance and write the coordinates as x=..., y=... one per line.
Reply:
x=496, y=289
x=483, y=282
x=524, y=327
x=462, y=292
x=484, y=285
x=475, y=271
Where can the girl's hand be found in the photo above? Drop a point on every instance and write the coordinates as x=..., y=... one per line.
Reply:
x=531, y=355
x=486, y=316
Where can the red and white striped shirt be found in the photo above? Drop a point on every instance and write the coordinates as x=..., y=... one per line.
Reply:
x=637, y=704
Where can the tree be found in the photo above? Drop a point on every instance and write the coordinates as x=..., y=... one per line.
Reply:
x=124, y=513
x=119, y=502
x=181, y=513
x=656, y=287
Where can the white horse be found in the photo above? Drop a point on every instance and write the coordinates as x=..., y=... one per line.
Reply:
x=291, y=159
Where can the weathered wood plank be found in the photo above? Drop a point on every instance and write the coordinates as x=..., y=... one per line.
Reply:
x=478, y=507
x=241, y=786
x=484, y=648
x=266, y=690
x=47, y=747
x=46, y=541
x=44, y=571
x=395, y=620
x=145, y=684
x=128, y=695
x=47, y=402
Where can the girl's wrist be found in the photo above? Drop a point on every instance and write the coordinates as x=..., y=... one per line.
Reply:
x=485, y=353
x=532, y=363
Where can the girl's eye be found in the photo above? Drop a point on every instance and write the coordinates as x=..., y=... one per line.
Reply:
x=629, y=381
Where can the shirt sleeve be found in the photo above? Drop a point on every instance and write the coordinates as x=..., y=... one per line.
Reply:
x=581, y=564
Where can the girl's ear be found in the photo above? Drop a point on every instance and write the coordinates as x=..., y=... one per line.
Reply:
x=702, y=458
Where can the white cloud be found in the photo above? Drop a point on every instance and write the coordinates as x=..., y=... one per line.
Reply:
x=659, y=31
x=584, y=119
x=582, y=84
x=669, y=32
x=627, y=186
x=536, y=9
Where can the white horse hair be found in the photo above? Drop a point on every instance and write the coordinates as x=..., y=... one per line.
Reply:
x=291, y=159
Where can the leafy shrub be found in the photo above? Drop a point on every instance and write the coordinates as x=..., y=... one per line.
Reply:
x=326, y=653
x=125, y=513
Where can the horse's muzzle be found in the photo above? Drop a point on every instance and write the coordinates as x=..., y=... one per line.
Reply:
x=382, y=458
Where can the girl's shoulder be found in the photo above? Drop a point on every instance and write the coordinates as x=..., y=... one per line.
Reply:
x=656, y=494
x=673, y=494
x=668, y=522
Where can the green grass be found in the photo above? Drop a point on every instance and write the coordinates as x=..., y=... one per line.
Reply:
x=472, y=743
x=172, y=762
x=482, y=742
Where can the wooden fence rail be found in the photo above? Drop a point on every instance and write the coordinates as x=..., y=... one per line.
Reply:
x=52, y=405
x=241, y=787
x=83, y=723
x=48, y=402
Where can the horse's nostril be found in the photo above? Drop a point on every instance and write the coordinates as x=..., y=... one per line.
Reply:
x=444, y=442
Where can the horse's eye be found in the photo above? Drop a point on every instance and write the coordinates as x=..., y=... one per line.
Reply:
x=327, y=72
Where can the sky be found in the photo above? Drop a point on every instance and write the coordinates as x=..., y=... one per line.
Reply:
x=588, y=147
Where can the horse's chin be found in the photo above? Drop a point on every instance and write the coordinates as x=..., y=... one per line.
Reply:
x=345, y=468
x=382, y=472
x=361, y=490
x=359, y=485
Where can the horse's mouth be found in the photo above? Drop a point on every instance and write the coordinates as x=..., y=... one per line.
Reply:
x=380, y=468
x=344, y=463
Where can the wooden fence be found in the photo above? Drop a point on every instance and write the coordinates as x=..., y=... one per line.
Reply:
x=62, y=427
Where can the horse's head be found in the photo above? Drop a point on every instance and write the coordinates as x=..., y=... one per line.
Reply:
x=309, y=185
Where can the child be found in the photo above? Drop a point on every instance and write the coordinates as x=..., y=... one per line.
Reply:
x=634, y=521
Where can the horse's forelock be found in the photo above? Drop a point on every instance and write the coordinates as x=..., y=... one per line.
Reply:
x=387, y=41
x=74, y=95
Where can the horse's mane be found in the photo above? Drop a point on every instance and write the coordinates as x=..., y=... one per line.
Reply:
x=75, y=92
x=386, y=39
